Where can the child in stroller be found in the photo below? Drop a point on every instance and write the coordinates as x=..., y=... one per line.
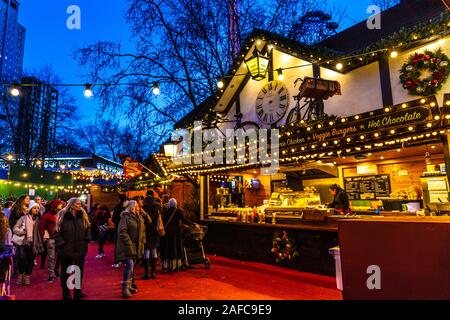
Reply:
x=6, y=254
x=193, y=250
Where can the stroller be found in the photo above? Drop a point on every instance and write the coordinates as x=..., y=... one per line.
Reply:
x=5, y=274
x=193, y=251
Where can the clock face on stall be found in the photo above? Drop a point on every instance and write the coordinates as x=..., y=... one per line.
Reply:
x=272, y=102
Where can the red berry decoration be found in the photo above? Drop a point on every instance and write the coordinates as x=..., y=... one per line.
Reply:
x=410, y=74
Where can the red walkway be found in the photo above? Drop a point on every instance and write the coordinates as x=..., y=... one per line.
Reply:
x=226, y=280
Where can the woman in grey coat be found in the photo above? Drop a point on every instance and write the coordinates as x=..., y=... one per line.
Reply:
x=130, y=244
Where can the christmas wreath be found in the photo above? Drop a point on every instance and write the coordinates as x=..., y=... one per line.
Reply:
x=424, y=73
x=283, y=247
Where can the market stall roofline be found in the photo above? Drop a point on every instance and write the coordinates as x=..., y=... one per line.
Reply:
x=87, y=156
x=430, y=103
x=406, y=14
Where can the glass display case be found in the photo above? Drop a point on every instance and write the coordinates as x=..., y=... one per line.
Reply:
x=299, y=205
x=298, y=199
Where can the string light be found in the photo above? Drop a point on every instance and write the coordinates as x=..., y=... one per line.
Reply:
x=156, y=88
x=87, y=91
x=15, y=92
x=280, y=74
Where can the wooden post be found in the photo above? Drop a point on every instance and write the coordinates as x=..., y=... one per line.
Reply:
x=444, y=139
x=204, y=196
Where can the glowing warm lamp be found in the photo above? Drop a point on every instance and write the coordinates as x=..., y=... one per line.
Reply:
x=170, y=150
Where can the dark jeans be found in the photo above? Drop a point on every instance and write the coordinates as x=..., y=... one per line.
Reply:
x=66, y=262
x=102, y=235
x=25, y=260
x=128, y=272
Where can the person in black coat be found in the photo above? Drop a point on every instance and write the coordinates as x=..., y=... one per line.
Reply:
x=154, y=209
x=102, y=220
x=172, y=218
x=341, y=201
x=71, y=239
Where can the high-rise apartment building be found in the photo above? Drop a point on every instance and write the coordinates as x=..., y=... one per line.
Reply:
x=36, y=128
x=12, y=41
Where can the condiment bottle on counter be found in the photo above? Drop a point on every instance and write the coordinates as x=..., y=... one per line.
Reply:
x=255, y=215
x=250, y=216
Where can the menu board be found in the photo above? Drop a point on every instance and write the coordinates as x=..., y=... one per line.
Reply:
x=368, y=187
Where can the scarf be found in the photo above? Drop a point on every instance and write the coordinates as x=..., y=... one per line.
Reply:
x=38, y=245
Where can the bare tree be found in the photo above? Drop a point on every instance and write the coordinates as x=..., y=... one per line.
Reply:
x=88, y=135
x=9, y=110
x=184, y=45
x=385, y=4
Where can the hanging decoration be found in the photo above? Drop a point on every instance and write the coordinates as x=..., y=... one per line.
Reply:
x=424, y=73
x=283, y=247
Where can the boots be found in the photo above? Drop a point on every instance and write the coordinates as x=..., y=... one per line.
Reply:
x=27, y=280
x=78, y=294
x=145, y=263
x=66, y=294
x=126, y=289
x=133, y=287
x=20, y=279
x=153, y=268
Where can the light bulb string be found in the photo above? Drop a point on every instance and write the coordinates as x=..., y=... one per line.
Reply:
x=171, y=79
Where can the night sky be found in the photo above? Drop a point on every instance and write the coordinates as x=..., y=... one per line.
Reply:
x=49, y=41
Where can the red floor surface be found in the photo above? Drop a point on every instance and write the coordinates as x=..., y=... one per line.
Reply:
x=226, y=280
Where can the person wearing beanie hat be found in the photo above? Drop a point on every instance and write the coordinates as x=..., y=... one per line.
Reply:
x=28, y=242
x=48, y=225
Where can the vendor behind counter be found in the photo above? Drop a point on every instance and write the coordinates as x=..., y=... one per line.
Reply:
x=341, y=201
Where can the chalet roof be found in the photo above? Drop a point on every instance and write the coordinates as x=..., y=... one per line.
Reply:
x=404, y=15
x=412, y=23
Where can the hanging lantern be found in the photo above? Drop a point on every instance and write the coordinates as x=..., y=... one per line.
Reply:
x=257, y=65
x=170, y=149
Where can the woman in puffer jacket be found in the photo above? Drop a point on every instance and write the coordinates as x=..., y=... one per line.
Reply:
x=130, y=244
x=28, y=242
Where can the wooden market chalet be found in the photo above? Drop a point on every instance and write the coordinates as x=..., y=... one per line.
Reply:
x=368, y=110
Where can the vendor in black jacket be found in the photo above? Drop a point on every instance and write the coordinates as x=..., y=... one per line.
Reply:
x=340, y=202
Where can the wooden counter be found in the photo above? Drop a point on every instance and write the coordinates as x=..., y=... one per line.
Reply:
x=329, y=226
x=253, y=242
x=413, y=254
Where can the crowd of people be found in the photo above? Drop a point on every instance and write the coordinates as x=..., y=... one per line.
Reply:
x=143, y=230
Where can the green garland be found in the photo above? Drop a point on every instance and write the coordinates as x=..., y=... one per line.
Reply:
x=411, y=74
x=283, y=248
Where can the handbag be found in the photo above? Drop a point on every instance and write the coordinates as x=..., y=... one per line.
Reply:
x=103, y=227
x=18, y=240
